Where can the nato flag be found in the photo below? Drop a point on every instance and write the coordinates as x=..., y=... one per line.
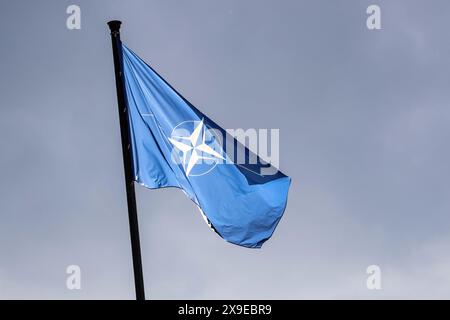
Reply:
x=176, y=145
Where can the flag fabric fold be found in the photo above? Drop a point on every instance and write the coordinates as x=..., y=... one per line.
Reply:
x=175, y=145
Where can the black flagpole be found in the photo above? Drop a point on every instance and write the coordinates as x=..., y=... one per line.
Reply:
x=127, y=160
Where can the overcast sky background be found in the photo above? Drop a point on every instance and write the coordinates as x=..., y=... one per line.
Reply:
x=364, y=125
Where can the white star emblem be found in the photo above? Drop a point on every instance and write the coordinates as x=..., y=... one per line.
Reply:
x=195, y=148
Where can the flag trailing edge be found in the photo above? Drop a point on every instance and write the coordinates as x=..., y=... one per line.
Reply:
x=175, y=145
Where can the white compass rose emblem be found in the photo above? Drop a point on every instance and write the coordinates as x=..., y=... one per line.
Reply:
x=198, y=148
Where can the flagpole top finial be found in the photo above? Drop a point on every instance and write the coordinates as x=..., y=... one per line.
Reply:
x=114, y=25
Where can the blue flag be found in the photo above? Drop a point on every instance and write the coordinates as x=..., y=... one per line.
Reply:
x=175, y=145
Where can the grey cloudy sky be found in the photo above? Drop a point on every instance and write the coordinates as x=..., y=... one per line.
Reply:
x=363, y=118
